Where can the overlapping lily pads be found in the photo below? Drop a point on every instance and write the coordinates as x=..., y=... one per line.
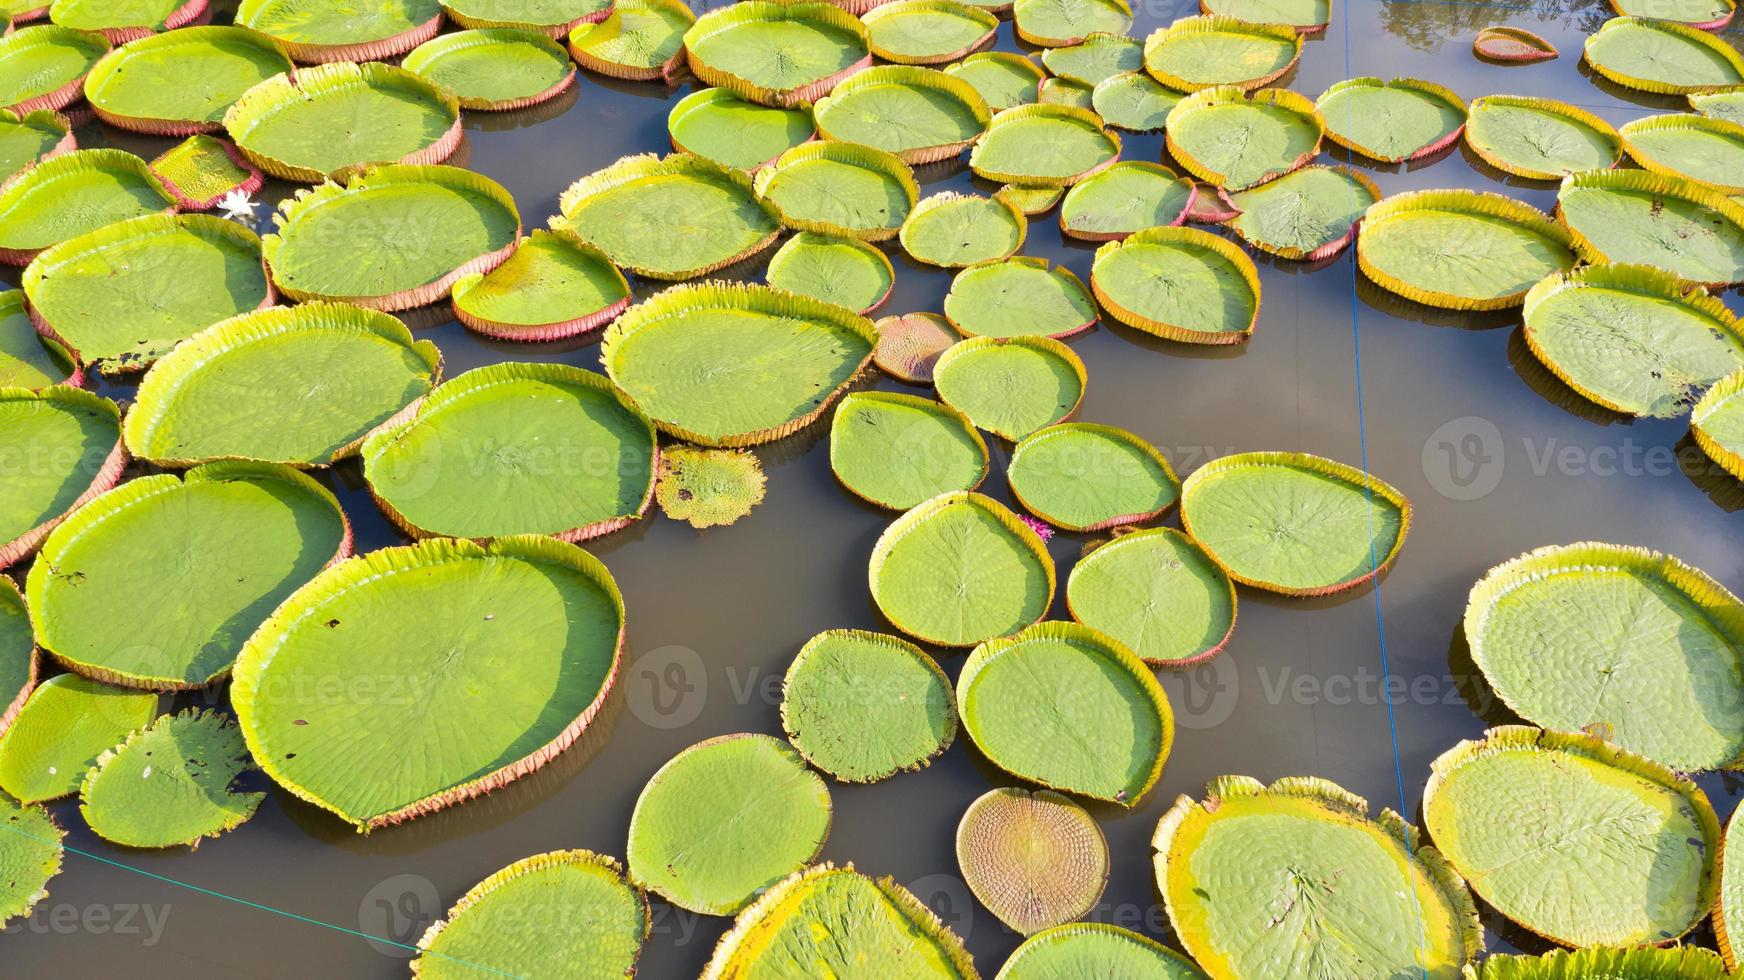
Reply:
x=865, y=706
x=1011, y=386
x=181, y=82
x=31, y=853
x=1133, y=100
x=27, y=358
x=343, y=32
x=1158, y=592
x=1404, y=119
x=1022, y=296
x=1707, y=151
x=72, y=194
x=553, y=286
x=928, y=32
x=201, y=171
x=31, y=137
x=1031, y=200
x=170, y=784
x=957, y=230
x=44, y=67
x=709, y=487
x=641, y=40
x=1717, y=423
x=1087, y=477
x=845, y=271
x=554, y=18
x=1461, y=250
x=1183, y=284
x=918, y=114
x=67, y=722
x=1130, y=196
x=1663, y=57
x=1540, y=139
x=1720, y=105
x=1061, y=23
x=77, y=435
x=1066, y=92
x=777, y=52
x=909, y=345
x=494, y=68
x=1634, y=962
x=1308, y=214
x=1095, y=949
x=1635, y=216
x=1237, y=140
x=1196, y=53
x=1096, y=59
x=1044, y=145
x=898, y=450
x=841, y=189
x=1002, y=78
x=1306, y=16
x=1035, y=859
x=717, y=125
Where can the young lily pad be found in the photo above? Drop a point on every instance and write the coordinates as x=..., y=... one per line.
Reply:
x=1720, y=105
x=343, y=32
x=1183, y=284
x=1540, y=139
x=1062, y=23
x=1019, y=297
x=494, y=68
x=515, y=449
x=1294, y=523
x=1296, y=879
x=1515, y=44
x=1308, y=214
x=181, y=82
x=670, y=218
x=1635, y=963
x=1707, y=151
x=31, y=137
x=959, y=569
x=783, y=53
x=1134, y=101
x=1086, y=477
x=72, y=194
x=1662, y=57
x=844, y=271
x=709, y=487
x=1130, y=196
x=865, y=706
x=442, y=620
x=1706, y=15
x=201, y=171
x=553, y=286
x=1613, y=850
x=1011, y=386
x=504, y=923
x=1044, y=145
x=835, y=921
x=1031, y=200
x=841, y=189
x=1404, y=119
x=909, y=345
x=928, y=32
x=1002, y=78
x=1635, y=216
x=1238, y=140
x=30, y=855
x=165, y=548
x=1196, y=53
x=1070, y=708
x=553, y=18
x=1035, y=859
x=392, y=237
x=641, y=41
x=956, y=230
x=920, y=115
x=304, y=126
x=1460, y=250
x=898, y=451
x=18, y=660
x=44, y=67
x=169, y=784
x=27, y=358
x=1098, y=58
x=67, y=722
x=1717, y=422
x=1159, y=593
x=75, y=437
x=1306, y=16
x=122, y=296
x=1095, y=949
x=763, y=814
x=1066, y=92
x=717, y=125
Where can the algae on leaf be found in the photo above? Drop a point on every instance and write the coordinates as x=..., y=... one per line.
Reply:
x=170, y=784
x=865, y=706
x=709, y=487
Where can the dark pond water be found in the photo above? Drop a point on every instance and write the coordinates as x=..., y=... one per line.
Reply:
x=1496, y=457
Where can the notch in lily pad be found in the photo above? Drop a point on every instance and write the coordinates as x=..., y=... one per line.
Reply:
x=170, y=785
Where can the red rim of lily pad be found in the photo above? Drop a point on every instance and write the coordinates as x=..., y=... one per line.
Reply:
x=1512, y=44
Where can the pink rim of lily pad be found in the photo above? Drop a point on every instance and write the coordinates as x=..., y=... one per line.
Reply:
x=377, y=50
x=1512, y=44
x=32, y=672
x=107, y=476
x=182, y=16
x=559, y=330
x=249, y=186
x=426, y=294
x=666, y=71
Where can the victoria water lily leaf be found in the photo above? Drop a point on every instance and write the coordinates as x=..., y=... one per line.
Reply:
x=1065, y=92
x=1035, y=859
x=1308, y=214
x=125, y=20
x=1707, y=15
x=777, y=53
x=1540, y=139
x=897, y=450
x=1070, y=708
x=709, y=487
x=1717, y=422
x=670, y=218
x=1728, y=916
x=197, y=562
x=1133, y=100
x=1461, y=250
x=1614, y=850
x=717, y=125
x=724, y=820
x=18, y=660
x=1296, y=880
x=300, y=385
x=28, y=138
x=554, y=286
x=928, y=32
x=1184, y=284
x=1002, y=78
x=1720, y=105
x=909, y=345
x=44, y=67
x=837, y=922
x=920, y=115
x=27, y=358
x=361, y=31
x=1707, y=151
x=1061, y=23
x=642, y=40
x=201, y=171
x=1129, y=196
x=515, y=449
x=844, y=271
x=1011, y=386
x=1635, y=963
x=956, y=230
x=1404, y=119
x=181, y=82
x=1294, y=523
x=959, y=569
x=1019, y=297
x=864, y=706
x=1236, y=140
x=1031, y=200
x=1636, y=216
x=1197, y=53
x=554, y=18
x=1631, y=339
x=122, y=296
x=1663, y=57
x=61, y=730
x=1306, y=16
x=75, y=437
x=1044, y=145
x=1512, y=44
x=170, y=784
x=72, y=194
x=1159, y=593
x=494, y=68
x=313, y=123
x=728, y=364
x=539, y=621
x=1095, y=949
x=1590, y=636
x=1097, y=58
x=30, y=855
x=1087, y=477
x=503, y=923
x=391, y=237
x=841, y=189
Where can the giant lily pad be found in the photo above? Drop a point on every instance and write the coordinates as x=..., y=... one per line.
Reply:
x=1086, y=477
x=1707, y=151
x=515, y=449
x=18, y=660
x=864, y=706
x=554, y=18
x=67, y=722
x=201, y=171
x=1159, y=593
x=1295, y=879
x=72, y=194
x=1461, y=250
x=1019, y=297
x=1635, y=963
x=1635, y=216
x=494, y=68
x=75, y=439
x=727, y=364
x=897, y=450
x=527, y=616
x=364, y=31
x=1308, y=214
x=777, y=53
x=1613, y=849
x=1095, y=949
x=1294, y=523
x=313, y=123
x=928, y=32
x=1044, y=145
x=1720, y=105
x=1237, y=140
x=717, y=125
x=1133, y=100
x=709, y=487
x=1184, y=284
x=1196, y=53
x=30, y=853
x=844, y=271
x=1306, y=16
x=1098, y=58
x=1129, y=196
x=1717, y=422
x=918, y=114
x=841, y=189
x=1011, y=386
x=1541, y=139
x=1062, y=23
x=122, y=296
x=554, y=286
x=1035, y=859
x=758, y=812
x=670, y=218
x=170, y=784
x=956, y=230
x=44, y=67
x=1002, y=78
x=1404, y=119
x=909, y=345
x=1707, y=15
x=642, y=40
x=27, y=358
x=1070, y=708
x=181, y=82
x=1662, y=57
x=391, y=237
x=31, y=137
x=122, y=22
x=959, y=569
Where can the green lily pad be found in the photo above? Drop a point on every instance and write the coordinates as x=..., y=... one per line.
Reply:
x=959, y=569
x=1710, y=15
x=182, y=81
x=1097, y=58
x=201, y=171
x=61, y=730
x=1180, y=283
x=725, y=819
x=898, y=451
x=670, y=218
x=1461, y=250
x=18, y=661
x=1707, y=151
x=1070, y=708
x=844, y=271
x=1541, y=139
x=1065, y=92
x=553, y=286
x=1196, y=53
x=1158, y=592
x=1296, y=879
x=909, y=345
x=29, y=138
x=920, y=115
x=1130, y=196
x=1717, y=422
x=27, y=358
x=709, y=487
x=957, y=230
x=1081, y=476
x=44, y=67
x=1728, y=915
x=1011, y=386
x=841, y=189
x=1306, y=16
x=781, y=54
x=1062, y=23
x=1404, y=119
x=641, y=40
x=170, y=784
x=361, y=31
x=1095, y=949
x=1133, y=100
x=1662, y=57
x=866, y=706
x=30, y=855
x=717, y=125
x=1720, y=105
x=1294, y=523
x=494, y=68
x=1238, y=140
x=1634, y=963
x=554, y=18
x=1044, y=145
x=1308, y=214
x=1019, y=297
x=74, y=439
x=928, y=32
x=1614, y=850
x=1035, y=859
x=1002, y=78
x=124, y=20
x=74, y=193
x=1640, y=217
x=1031, y=200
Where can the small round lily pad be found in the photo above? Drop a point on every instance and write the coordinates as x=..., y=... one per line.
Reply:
x=898, y=450
x=1697, y=148
x=1662, y=57
x=909, y=345
x=1062, y=23
x=1392, y=121
x=1044, y=146
x=31, y=852
x=77, y=436
x=553, y=286
x=1081, y=476
x=841, y=189
x=1002, y=78
x=1512, y=44
x=865, y=706
x=1130, y=196
x=1019, y=297
x=494, y=68
x=1635, y=216
x=717, y=125
x=920, y=115
x=1183, y=284
x=1306, y=16
x=181, y=82
x=201, y=171
x=1096, y=58
x=32, y=137
x=554, y=18
x=170, y=784
x=640, y=41
x=957, y=230
x=353, y=32
x=44, y=67
x=845, y=271
x=928, y=32
x=1461, y=250
x=1541, y=139
x=67, y=722
x=709, y=487
x=1158, y=592
x=1308, y=214
x=1095, y=949
x=1134, y=101
x=74, y=193
x=1196, y=53
x=1035, y=859
x=1011, y=386
x=777, y=53
x=1237, y=140
x=1717, y=422
x=27, y=358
